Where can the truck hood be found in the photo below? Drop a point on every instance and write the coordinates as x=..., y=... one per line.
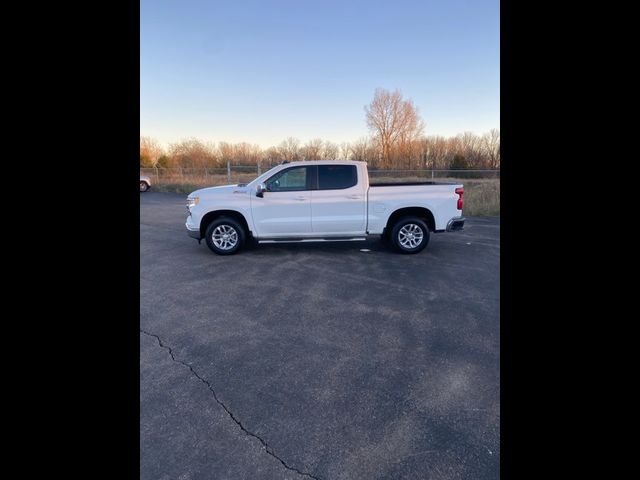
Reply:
x=216, y=191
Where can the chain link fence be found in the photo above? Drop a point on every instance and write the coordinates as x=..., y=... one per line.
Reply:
x=245, y=173
x=429, y=174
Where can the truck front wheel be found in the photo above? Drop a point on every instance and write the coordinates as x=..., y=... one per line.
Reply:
x=225, y=236
x=410, y=235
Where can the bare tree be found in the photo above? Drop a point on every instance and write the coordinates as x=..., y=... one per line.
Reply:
x=289, y=149
x=470, y=147
x=345, y=151
x=363, y=150
x=193, y=153
x=225, y=153
x=312, y=150
x=150, y=152
x=330, y=151
x=393, y=120
x=435, y=150
x=491, y=147
x=271, y=156
x=246, y=154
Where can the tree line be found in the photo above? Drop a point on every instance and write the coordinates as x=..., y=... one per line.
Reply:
x=397, y=141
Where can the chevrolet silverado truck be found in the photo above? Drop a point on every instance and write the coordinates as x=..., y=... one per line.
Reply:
x=330, y=200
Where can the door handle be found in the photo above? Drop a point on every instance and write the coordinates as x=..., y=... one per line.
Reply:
x=354, y=197
x=301, y=198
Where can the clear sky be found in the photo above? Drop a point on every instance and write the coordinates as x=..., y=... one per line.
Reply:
x=263, y=70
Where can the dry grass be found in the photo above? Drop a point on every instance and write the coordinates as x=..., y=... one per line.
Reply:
x=481, y=196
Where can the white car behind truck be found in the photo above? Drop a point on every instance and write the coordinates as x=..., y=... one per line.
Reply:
x=145, y=183
x=323, y=201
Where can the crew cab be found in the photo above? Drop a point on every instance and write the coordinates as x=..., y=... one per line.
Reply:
x=323, y=201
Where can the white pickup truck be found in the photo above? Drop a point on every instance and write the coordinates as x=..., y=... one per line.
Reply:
x=322, y=201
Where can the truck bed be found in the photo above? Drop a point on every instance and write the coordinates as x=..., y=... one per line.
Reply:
x=404, y=184
x=439, y=198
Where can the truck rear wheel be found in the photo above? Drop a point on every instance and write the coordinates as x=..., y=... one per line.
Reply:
x=144, y=186
x=225, y=236
x=410, y=235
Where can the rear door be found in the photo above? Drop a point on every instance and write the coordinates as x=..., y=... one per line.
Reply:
x=338, y=203
x=285, y=209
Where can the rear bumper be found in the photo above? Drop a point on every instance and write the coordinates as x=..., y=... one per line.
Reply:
x=455, y=224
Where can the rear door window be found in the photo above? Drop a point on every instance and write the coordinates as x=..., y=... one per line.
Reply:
x=336, y=177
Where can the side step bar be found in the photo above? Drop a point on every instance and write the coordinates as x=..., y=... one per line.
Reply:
x=307, y=240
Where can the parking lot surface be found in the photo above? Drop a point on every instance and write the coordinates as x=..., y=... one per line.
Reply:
x=328, y=360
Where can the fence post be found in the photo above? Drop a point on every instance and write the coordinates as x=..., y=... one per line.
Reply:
x=432, y=174
x=259, y=170
x=157, y=176
x=182, y=174
x=228, y=171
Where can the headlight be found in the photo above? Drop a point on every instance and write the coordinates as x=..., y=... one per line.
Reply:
x=192, y=201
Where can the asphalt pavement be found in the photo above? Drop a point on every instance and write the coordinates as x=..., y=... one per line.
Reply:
x=328, y=360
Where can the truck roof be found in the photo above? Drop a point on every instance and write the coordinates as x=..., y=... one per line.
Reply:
x=326, y=162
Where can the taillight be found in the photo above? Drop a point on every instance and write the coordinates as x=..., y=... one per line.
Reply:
x=460, y=192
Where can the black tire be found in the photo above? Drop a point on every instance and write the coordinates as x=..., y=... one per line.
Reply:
x=231, y=225
x=398, y=235
x=144, y=186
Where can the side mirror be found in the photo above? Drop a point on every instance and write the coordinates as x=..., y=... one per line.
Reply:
x=260, y=189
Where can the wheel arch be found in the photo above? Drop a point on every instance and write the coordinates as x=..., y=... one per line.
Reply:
x=420, y=212
x=214, y=214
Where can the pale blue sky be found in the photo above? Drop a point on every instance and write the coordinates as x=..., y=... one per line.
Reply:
x=260, y=71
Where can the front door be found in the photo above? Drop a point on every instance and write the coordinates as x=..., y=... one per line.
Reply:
x=285, y=208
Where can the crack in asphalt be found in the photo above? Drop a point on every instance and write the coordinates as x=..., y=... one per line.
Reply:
x=264, y=443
